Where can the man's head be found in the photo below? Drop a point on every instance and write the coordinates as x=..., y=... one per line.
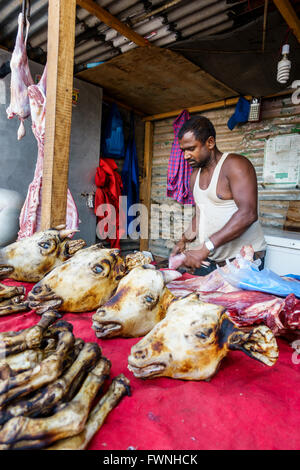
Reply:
x=197, y=138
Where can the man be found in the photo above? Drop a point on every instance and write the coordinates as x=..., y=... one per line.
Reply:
x=224, y=187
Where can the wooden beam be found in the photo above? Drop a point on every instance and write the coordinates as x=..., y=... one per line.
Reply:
x=290, y=16
x=145, y=190
x=113, y=22
x=61, y=39
x=195, y=109
x=208, y=106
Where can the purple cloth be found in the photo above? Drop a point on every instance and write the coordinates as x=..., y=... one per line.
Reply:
x=179, y=171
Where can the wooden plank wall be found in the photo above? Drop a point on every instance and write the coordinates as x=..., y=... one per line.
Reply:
x=277, y=208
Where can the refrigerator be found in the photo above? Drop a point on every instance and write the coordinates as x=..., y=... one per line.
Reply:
x=283, y=251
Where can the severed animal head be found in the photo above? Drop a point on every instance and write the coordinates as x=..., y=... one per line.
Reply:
x=81, y=284
x=141, y=300
x=193, y=338
x=31, y=258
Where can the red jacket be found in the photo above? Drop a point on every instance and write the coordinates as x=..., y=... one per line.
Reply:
x=109, y=188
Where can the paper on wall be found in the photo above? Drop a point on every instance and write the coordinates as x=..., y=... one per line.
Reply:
x=282, y=161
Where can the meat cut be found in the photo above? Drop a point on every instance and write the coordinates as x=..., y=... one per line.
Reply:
x=244, y=307
x=21, y=79
x=29, y=99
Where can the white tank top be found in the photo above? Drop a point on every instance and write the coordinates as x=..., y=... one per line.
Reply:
x=215, y=213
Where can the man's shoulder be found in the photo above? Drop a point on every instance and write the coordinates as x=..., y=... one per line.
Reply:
x=237, y=161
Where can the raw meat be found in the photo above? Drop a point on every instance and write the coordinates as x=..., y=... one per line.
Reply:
x=30, y=217
x=30, y=99
x=21, y=78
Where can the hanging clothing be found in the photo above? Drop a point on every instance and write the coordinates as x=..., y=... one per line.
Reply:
x=179, y=171
x=113, y=141
x=130, y=173
x=109, y=189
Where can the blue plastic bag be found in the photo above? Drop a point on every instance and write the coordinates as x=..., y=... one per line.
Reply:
x=249, y=277
x=114, y=145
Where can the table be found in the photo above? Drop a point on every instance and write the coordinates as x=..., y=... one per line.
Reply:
x=246, y=405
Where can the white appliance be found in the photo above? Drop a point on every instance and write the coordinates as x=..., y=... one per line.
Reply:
x=283, y=251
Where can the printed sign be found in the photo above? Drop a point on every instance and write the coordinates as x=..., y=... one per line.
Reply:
x=282, y=160
x=75, y=97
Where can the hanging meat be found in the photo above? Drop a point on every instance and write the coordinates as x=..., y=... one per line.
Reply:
x=21, y=78
x=28, y=99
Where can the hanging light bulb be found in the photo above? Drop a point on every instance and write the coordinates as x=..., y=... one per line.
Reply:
x=284, y=66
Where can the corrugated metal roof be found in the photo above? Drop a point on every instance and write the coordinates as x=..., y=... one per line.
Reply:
x=161, y=22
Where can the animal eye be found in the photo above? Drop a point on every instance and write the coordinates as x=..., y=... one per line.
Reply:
x=45, y=245
x=204, y=334
x=201, y=335
x=98, y=269
x=149, y=299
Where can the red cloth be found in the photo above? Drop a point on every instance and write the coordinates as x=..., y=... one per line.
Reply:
x=246, y=405
x=109, y=189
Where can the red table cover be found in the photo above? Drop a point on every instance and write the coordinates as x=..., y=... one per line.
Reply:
x=246, y=405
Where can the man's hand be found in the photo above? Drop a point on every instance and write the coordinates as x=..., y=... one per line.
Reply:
x=178, y=248
x=195, y=258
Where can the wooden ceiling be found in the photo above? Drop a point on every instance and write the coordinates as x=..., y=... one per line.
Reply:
x=153, y=80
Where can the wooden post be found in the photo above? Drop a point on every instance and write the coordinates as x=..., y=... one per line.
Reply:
x=146, y=184
x=61, y=39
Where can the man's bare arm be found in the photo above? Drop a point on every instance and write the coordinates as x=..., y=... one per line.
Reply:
x=243, y=184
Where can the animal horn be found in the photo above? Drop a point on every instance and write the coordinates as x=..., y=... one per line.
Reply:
x=60, y=227
x=65, y=233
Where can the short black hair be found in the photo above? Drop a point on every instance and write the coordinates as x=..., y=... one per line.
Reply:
x=200, y=126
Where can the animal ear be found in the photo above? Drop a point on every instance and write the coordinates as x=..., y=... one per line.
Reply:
x=170, y=275
x=72, y=246
x=259, y=343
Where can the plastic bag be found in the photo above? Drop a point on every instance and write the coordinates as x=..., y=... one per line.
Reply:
x=249, y=277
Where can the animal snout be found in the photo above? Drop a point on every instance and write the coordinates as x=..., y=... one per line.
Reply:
x=37, y=290
x=101, y=312
x=99, y=315
x=140, y=354
x=41, y=292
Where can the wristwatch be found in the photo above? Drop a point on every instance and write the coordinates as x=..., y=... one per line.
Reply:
x=209, y=245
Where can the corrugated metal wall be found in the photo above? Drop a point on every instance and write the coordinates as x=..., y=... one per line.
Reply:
x=277, y=208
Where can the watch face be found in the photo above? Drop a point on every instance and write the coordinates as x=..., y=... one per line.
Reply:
x=209, y=245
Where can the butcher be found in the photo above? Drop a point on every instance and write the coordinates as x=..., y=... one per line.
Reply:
x=224, y=187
